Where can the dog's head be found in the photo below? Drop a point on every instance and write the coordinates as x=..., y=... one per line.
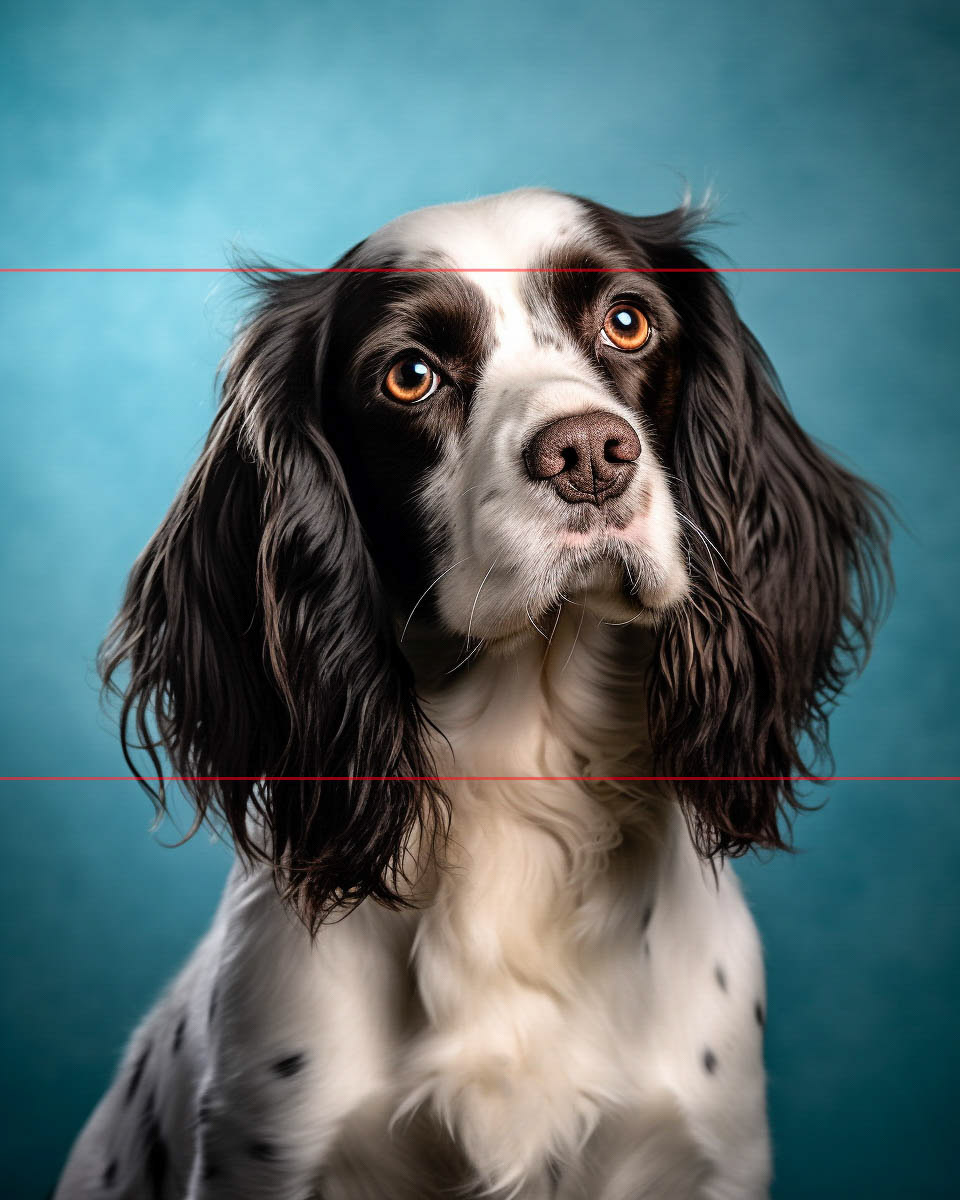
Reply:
x=415, y=435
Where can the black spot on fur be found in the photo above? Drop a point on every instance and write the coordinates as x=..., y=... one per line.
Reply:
x=178, y=1034
x=758, y=1013
x=109, y=1173
x=647, y=914
x=157, y=1157
x=263, y=1151
x=211, y=1170
x=291, y=1065
x=157, y=1160
x=720, y=976
x=709, y=1062
x=212, y=1011
x=136, y=1075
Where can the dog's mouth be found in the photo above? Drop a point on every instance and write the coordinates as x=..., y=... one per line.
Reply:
x=619, y=564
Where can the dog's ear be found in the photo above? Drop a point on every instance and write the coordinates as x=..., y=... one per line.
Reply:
x=261, y=649
x=789, y=564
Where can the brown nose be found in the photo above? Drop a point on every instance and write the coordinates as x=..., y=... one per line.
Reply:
x=587, y=458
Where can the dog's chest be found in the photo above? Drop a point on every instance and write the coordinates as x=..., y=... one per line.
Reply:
x=518, y=981
x=534, y=987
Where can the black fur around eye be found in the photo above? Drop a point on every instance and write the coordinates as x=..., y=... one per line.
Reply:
x=411, y=380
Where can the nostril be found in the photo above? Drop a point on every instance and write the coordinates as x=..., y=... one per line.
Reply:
x=570, y=457
x=621, y=449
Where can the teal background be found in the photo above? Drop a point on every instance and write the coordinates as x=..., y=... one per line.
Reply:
x=168, y=135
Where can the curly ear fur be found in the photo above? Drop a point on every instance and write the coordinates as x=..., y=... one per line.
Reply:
x=784, y=599
x=259, y=641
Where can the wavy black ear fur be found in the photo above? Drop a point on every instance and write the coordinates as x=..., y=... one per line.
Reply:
x=260, y=644
x=785, y=598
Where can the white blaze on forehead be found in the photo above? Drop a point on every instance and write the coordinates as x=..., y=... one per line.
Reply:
x=513, y=230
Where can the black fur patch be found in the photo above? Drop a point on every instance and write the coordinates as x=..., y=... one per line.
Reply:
x=292, y=1065
x=157, y=1157
x=136, y=1075
x=388, y=449
x=178, y=1034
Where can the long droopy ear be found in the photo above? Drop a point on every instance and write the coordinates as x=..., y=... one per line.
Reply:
x=260, y=646
x=789, y=562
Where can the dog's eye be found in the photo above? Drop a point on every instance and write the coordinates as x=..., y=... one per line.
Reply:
x=625, y=327
x=411, y=380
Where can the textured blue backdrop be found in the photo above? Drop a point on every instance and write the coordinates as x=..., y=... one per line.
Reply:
x=169, y=135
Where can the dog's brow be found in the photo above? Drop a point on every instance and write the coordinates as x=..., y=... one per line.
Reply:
x=571, y=285
x=446, y=313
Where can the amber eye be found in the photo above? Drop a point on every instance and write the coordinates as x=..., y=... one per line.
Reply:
x=411, y=380
x=625, y=327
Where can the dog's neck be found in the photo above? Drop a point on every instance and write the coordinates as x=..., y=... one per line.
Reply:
x=538, y=737
x=533, y=743
x=567, y=700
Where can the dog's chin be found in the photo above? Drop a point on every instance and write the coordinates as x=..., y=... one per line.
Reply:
x=620, y=592
x=612, y=591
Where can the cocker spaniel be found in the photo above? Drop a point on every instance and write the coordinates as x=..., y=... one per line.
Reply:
x=492, y=620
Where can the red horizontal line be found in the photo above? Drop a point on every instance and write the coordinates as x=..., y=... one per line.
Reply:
x=471, y=270
x=479, y=778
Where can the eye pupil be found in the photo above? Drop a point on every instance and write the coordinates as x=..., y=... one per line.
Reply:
x=625, y=319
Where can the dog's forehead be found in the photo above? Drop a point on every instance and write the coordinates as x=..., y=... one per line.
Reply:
x=512, y=230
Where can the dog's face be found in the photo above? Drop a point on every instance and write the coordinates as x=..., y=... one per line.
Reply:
x=590, y=421
x=504, y=430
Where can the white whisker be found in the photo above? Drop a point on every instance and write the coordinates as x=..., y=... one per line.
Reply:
x=635, y=617
x=533, y=622
x=711, y=548
x=430, y=589
x=552, y=632
x=463, y=661
x=576, y=638
x=476, y=599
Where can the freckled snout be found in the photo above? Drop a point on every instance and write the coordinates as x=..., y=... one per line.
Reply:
x=588, y=458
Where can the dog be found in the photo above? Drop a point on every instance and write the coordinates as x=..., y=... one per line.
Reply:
x=491, y=622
